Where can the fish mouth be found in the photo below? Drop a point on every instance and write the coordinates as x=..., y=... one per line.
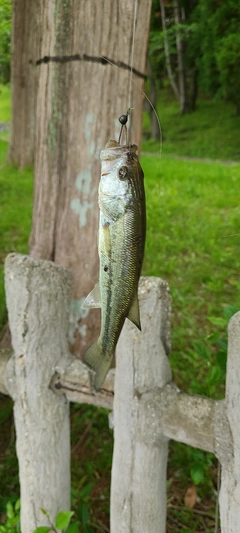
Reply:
x=114, y=152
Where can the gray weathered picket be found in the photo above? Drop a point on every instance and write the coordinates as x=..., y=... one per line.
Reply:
x=148, y=409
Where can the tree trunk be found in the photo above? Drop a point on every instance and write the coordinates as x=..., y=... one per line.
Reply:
x=24, y=50
x=181, y=72
x=78, y=105
x=167, y=52
x=194, y=89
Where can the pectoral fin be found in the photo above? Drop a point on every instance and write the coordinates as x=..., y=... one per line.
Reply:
x=93, y=299
x=134, y=314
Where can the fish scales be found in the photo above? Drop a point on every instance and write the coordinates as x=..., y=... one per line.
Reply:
x=122, y=228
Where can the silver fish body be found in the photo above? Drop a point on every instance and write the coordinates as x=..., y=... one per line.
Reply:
x=122, y=228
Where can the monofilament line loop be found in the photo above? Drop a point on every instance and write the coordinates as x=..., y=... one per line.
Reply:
x=131, y=64
x=132, y=53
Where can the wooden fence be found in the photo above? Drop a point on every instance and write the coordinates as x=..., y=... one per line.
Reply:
x=148, y=409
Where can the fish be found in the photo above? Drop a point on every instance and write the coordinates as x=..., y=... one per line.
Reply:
x=121, y=240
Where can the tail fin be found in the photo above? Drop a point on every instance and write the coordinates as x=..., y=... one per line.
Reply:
x=95, y=360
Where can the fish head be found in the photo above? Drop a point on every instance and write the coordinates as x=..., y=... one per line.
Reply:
x=120, y=170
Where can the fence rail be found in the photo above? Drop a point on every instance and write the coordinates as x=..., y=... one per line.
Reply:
x=148, y=409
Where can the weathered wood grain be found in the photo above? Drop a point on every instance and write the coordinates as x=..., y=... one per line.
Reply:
x=38, y=297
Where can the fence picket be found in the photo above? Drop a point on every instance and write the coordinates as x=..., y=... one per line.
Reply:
x=38, y=298
x=42, y=377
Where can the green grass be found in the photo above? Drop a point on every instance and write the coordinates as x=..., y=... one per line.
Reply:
x=16, y=189
x=193, y=242
x=5, y=108
x=5, y=103
x=212, y=131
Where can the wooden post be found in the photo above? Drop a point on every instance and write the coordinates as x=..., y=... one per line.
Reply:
x=230, y=480
x=38, y=298
x=138, y=489
x=73, y=125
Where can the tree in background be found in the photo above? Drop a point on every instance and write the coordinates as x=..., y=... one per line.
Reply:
x=172, y=41
x=5, y=39
x=199, y=40
x=228, y=61
x=225, y=23
x=25, y=49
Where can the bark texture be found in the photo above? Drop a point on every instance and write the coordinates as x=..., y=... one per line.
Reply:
x=25, y=47
x=181, y=70
x=38, y=296
x=167, y=51
x=78, y=106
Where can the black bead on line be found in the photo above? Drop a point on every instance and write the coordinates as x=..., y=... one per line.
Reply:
x=85, y=57
x=123, y=121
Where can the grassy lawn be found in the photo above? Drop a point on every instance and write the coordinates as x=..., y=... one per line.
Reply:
x=193, y=242
x=5, y=110
x=5, y=104
x=212, y=131
x=15, y=215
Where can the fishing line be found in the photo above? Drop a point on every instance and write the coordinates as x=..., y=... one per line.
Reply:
x=132, y=54
x=131, y=66
x=117, y=64
x=148, y=99
x=131, y=81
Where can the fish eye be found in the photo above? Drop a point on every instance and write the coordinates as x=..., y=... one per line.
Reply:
x=122, y=173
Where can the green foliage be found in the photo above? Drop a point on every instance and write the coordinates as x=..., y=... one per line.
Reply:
x=63, y=519
x=219, y=48
x=12, y=523
x=62, y=522
x=83, y=508
x=5, y=39
x=42, y=529
x=228, y=61
x=91, y=477
x=209, y=31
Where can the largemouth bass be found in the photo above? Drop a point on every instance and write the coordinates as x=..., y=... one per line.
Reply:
x=121, y=240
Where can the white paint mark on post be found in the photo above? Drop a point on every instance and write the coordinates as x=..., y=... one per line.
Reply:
x=81, y=209
x=83, y=184
x=76, y=314
x=87, y=131
x=98, y=148
x=83, y=180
